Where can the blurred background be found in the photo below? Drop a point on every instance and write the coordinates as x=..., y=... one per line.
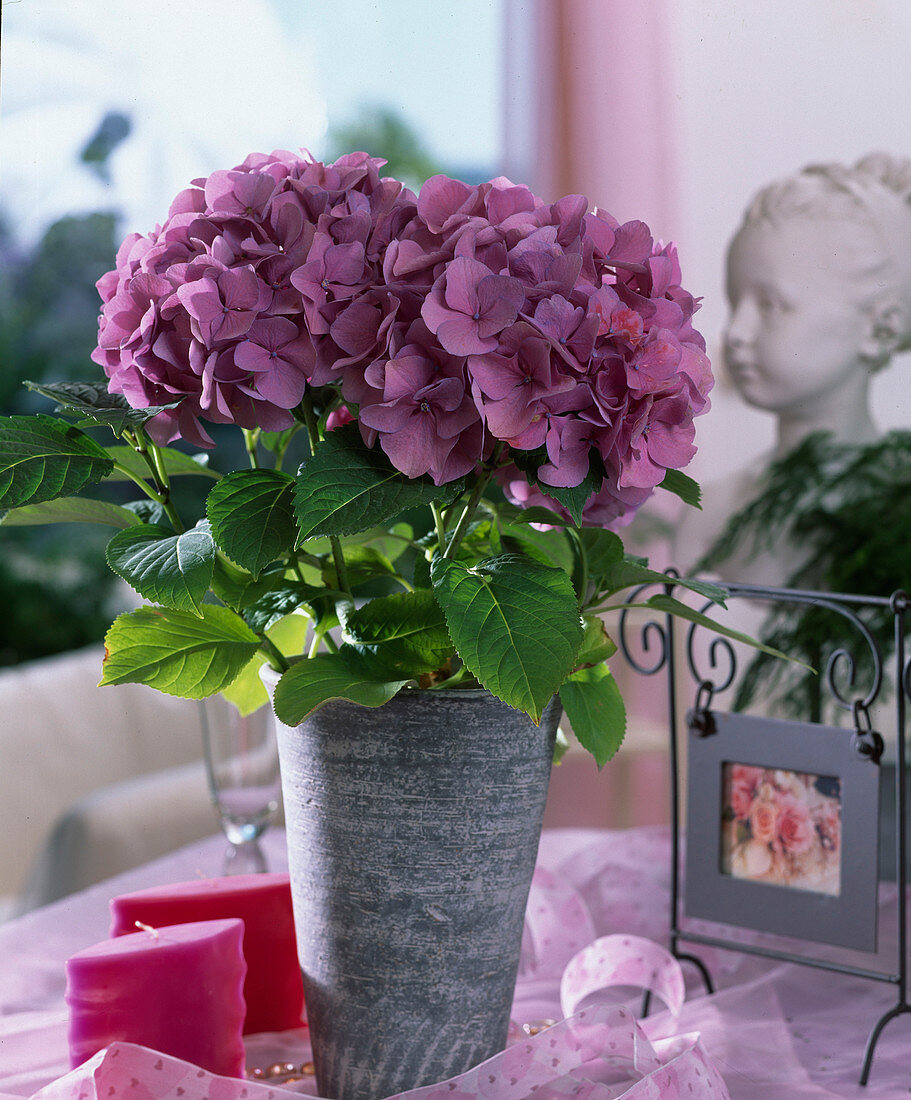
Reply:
x=674, y=112
x=671, y=112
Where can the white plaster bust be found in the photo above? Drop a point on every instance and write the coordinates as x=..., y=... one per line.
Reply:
x=819, y=286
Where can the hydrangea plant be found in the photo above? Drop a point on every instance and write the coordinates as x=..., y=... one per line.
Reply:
x=524, y=374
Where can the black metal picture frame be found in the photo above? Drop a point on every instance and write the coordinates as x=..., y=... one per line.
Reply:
x=814, y=854
x=711, y=671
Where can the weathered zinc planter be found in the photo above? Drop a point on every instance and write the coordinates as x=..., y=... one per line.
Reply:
x=413, y=831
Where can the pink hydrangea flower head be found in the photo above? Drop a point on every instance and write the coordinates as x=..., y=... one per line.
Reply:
x=461, y=318
x=423, y=418
x=468, y=306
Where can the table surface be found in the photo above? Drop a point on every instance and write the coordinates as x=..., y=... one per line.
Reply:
x=773, y=1030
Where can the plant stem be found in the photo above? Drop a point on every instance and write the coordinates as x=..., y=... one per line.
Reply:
x=473, y=501
x=161, y=494
x=320, y=636
x=306, y=407
x=281, y=450
x=274, y=654
x=438, y=523
x=250, y=438
x=144, y=485
x=583, y=566
x=341, y=572
x=152, y=454
x=459, y=676
x=338, y=556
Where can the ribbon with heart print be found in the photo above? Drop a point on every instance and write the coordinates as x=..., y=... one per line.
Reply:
x=598, y=1052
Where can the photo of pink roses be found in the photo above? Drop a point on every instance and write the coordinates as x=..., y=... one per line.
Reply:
x=781, y=827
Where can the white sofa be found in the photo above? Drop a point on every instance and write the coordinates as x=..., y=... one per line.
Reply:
x=92, y=780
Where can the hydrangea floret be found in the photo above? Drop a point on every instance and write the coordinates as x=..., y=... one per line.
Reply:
x=485, y=387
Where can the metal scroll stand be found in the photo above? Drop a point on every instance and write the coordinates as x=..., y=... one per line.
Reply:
x=866, y=743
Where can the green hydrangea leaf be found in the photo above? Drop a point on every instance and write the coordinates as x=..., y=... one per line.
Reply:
x=175, y=462
x=515, y=624
x=94, y=401
x=42, y=458
x=594, y=707
x=71, y=510
x=683, y=486
x=174, y=570
x=603, y=549
x=597, y=645
x=309, y=684
x=347, y=487
x=628, y=573
x=177, y=652
x=362, y=564
x=537, y=513
x=679, y=610
x=239, y=589
x=597, y=552
x=550, y=547
x=404, y=634
x=276, y=603
x=250, y=514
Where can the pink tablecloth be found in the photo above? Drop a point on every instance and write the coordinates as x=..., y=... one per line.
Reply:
x=773, y=1031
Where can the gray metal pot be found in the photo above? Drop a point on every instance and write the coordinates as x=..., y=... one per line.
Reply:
x=412, y=836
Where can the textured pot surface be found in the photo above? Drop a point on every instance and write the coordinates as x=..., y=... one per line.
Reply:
x=412, y=836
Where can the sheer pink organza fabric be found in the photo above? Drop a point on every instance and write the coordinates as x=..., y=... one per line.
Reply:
x=596, y=919
x=598, y=1052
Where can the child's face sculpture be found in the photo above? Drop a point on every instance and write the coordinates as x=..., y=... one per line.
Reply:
x=801, y=313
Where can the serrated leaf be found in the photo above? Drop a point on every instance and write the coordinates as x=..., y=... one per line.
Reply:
x=239, y=589
x=93, y=400
x=515, y=624
x=250, y=513
x=173, y=570
x=603, y=549
x=404, y=634
x=550, y=547
x=683, y=486
x=597, y=645
x=42, y=458
x=177, y=652
x=71, y=510
x=629, y=573
x=596, y=712
x=347, y=487
x=680, y=610
x=148, y=511
x=309, y=684
x=279, y=602
x=362, y=563
x=176, y=463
